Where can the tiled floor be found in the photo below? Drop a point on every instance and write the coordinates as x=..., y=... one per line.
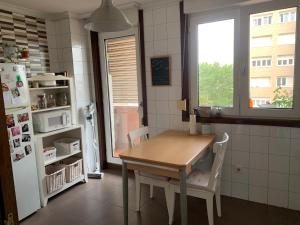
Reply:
x=99, y=202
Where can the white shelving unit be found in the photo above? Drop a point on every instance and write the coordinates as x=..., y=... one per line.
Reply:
x=43, y=140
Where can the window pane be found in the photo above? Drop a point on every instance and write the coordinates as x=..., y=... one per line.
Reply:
x=215, y=62
x=273, y=87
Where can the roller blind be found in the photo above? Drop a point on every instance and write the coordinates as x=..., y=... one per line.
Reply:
x=122, y=69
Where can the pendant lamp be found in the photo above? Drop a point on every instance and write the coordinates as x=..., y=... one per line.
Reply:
x=107, y=18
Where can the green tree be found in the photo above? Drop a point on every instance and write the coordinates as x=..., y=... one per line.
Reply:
x=215, y=85
x=282, y=99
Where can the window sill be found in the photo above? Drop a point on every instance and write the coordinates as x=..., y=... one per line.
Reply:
x=248, y=121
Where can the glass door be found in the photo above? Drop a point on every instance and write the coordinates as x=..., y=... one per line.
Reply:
x=121, y=73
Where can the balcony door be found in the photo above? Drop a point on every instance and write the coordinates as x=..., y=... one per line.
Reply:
x=121, y=89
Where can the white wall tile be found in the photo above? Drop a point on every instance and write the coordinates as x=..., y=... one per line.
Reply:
x=228, y=157
x=259, y=161
x=225, y=188
x=258, y=194
x=280, y=132
x=152, y=120
x=149, y=49
x=160, y=47
x=279, y=164
x=173, y=14
x=279, y=181
x=173, y=30
x=162, y=107
x=151, y=93
x=148, y=17
x=226, y=173
x=175, y=62
x=241, y=176
x=176, y=78
x=160, y=32
x=260, y=131
x=294, y=201
x=151, y=107
x=175, y=93
x=174, y=46
x=258, y=178
x=239, y=190
x=259, y=144
x=278, y=198
x=222, y=128
x=163, y=121
x=149, y=34
x=162, y=93
x=295, y=148
x=279, y=146
x=160, y=15
x=240, y=129
x=295, y=166
x=240, y=159
x=294, y=184
x=240, y=142
x=295, y=133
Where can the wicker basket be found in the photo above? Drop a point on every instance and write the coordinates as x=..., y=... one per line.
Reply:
x=55, y=177
x=73, y=167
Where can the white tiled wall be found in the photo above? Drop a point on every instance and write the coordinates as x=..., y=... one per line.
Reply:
x=262, y=163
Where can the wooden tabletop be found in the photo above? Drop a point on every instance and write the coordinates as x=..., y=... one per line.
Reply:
x=171, y=148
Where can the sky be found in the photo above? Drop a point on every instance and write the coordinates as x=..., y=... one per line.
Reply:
x=216, y=42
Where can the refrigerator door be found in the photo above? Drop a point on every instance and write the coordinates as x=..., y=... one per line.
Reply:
x=14, y=85
x=20, y=132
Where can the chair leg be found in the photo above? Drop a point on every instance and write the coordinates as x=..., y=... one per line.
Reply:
x=151, y=190
x=210, y=209
x=171, y=204
x=218, y=201
x=137, y=191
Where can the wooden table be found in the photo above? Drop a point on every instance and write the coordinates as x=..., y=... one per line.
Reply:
x=170, y=154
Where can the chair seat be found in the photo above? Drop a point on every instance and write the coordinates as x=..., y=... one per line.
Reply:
x=197, y=180
x=153, y=176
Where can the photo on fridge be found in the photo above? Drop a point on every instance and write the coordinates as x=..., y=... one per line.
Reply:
x=15, y=131
x=15, y=92
x=23, y=117
x=18, y=156
x=25, y=128
x=17, y=143
x=10, y=122
x=28, y=149
x=26, y=138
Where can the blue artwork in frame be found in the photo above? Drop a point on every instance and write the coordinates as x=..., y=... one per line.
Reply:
x=160, y=68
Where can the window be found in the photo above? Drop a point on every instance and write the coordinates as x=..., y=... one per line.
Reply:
x=261, y=41
x=260, y=82
x=263, y=20
x=284, y=82
x=286, y=39
x=286, y=17
x=285, y=60
x=262, y=62
x=215, y=63
x=254, y=57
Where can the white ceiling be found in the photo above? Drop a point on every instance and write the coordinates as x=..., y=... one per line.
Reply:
x=58, y=6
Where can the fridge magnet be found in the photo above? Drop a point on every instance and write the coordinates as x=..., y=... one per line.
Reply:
x=25, y=128
x=18, y=156
x=19, y=81
x=10, y=122
x=28, y=149
x=5, y=87
x=26, y=138
x=15, y=92
x=17, y=143
x=23, y=117
x=15, y=131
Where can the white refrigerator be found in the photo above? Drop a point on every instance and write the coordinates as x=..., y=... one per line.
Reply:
x=20, y=133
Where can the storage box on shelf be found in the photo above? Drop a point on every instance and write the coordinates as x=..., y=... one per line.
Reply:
x=58, y=169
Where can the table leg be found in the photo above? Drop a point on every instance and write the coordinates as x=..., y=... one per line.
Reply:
x=183, y=198
x=125, y=192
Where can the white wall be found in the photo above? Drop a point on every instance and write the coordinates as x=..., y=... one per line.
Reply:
x=269, y=157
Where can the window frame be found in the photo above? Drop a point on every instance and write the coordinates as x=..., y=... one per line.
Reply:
x=242, y=63
x=245, y=55
x=195, y=20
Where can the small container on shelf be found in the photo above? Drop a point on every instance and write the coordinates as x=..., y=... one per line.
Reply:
x=51, y=101
x=62, y=99
x=55, y=177
x=73, y=166
x=42, y=101
x=67, y=146
x=49, y=153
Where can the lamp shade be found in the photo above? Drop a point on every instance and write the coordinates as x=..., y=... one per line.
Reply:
x=107, y=18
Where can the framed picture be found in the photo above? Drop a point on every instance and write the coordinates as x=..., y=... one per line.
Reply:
x=160, y=70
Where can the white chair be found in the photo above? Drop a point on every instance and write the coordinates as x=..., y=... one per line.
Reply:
x=145, y=178
x=203, y=185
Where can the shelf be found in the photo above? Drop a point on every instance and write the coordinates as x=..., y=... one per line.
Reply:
x=47, y=78
x=67, y=185
x=50, y=109
x=61, y=157
x=48, y=88
x=41, y=135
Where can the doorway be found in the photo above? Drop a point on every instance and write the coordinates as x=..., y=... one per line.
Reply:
x=122, y=90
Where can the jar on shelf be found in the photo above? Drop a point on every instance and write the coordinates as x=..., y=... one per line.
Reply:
x=62, y=99
x=42, y=101
x=51, y=101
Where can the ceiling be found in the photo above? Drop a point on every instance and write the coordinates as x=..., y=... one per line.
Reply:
x=58, y=6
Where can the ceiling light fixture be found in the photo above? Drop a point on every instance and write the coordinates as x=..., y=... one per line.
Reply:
x=107, y=18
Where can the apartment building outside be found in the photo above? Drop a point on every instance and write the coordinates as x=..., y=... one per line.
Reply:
x=272, y=54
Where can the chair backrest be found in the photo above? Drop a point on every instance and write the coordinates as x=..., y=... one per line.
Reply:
x=141, y=133
x=219, y=149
